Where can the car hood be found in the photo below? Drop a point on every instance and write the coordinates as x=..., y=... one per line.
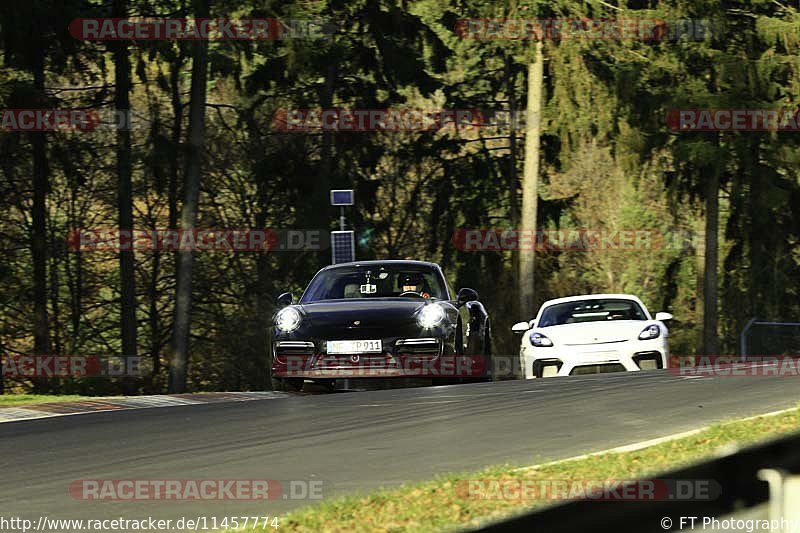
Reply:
x=369, y=313
x=595, y=332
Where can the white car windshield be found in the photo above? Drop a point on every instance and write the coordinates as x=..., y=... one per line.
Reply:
x=596, y=310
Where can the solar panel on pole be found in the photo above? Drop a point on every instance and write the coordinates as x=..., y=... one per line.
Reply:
x=342, y=197
x=343, y=247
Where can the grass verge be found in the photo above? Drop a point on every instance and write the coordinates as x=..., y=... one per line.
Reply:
x=440, y=504
x=21, y=400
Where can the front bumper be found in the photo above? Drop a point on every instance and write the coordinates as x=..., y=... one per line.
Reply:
x=628, y=356
x=401, y=358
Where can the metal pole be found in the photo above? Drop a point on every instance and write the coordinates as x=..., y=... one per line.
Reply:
x=346, y=384
x=742, y=338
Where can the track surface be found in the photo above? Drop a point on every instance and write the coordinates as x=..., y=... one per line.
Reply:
x=357, y=441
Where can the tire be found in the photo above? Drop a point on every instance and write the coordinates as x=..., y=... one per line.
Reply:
x=459, y=347
x=328, y=385
x=487, y=353
x=458, y=350
x=287, y=384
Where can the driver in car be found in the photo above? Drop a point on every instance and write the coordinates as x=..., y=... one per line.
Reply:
x=413, y=282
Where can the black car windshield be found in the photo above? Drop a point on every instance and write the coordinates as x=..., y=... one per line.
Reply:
x=595, y=310
x=375, y=281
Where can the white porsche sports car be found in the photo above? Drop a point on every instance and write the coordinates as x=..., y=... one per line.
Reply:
x=592, y=334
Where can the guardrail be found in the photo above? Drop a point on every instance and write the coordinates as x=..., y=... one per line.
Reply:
x=744, y=479
x=756, y=322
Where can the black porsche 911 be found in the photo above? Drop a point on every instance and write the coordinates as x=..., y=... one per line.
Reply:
x=379, y=319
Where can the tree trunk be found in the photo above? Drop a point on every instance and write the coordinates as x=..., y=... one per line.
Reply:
x=2, y=382
x=264, y=303
x=176, y=67
x=513, y=179
x=512, y=142
x=710, y=346
x=55, y=326
x=155, y=322
x=320, y=209
x=41, y=326
x=530, y=180
x=183, y=296
x=177, y=116
x=122, y=84
x=700, y=266
x=74, y=276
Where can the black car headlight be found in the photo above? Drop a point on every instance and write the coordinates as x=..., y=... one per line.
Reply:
x=650, y=332
x=539, y=340
x=288, y=319
x=430, y=316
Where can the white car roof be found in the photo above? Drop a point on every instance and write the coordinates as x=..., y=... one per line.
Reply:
x=591, y=297
x=594, y=297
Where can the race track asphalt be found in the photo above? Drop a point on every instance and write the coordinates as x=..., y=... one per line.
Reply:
x=355, y=442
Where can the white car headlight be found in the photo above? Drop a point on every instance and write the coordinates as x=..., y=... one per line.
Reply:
x=539, y=340
x=430, y=316
x=288, y=319
x=650, y=332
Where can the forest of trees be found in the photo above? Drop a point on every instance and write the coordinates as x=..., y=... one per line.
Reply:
x=204, y=150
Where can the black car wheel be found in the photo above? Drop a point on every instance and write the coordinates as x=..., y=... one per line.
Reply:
x=459, y=339
x=491, y=370
x=287, y=384
x=324, y=385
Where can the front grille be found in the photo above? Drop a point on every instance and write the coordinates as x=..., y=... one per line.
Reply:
x=284, y=349
x=422, y=346
x=294, y=347
x=605, y=368
x=372, y=360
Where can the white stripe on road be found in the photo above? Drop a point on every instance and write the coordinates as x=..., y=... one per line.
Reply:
x=651, y=442
x=127, y=403
x=8, y=414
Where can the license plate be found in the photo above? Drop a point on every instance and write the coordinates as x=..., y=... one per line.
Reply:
x=362, y=346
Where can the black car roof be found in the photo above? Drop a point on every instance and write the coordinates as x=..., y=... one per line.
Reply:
x=400, y=262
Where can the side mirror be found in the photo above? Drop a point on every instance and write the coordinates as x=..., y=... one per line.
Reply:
x=285, y=299
x=520, y=327
x=466, y=295
x=663, y=316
